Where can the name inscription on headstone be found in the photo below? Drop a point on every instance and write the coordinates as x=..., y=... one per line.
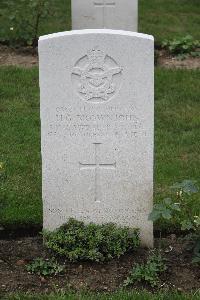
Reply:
x=69, y=123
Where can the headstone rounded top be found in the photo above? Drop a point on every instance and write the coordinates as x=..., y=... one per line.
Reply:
x=96, y=31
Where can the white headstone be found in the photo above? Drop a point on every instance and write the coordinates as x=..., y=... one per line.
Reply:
x=112, y=14
x=97, y=106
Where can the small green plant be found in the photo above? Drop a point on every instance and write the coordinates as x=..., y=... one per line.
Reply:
x=182, y=47
x=44, y=267
x=77, y=241
x=180, y=212
x=148, y=272
x=164, y=210
x=24, y=17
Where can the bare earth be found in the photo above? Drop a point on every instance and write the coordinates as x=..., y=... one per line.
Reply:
x=181, y=274
x=167, y=61
x=11, y=57
x=28, y=58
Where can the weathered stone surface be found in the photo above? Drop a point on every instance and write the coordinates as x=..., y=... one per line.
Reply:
x=97, y=107
x=112, y=14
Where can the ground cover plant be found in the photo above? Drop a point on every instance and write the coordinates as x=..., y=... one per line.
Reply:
x=177, y=140
x=77, y=241
x=163, y=19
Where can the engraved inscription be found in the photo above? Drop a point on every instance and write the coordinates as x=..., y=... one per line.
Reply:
x=88, y=122
x=105, y=6
x=97, y=166
x=96, y=76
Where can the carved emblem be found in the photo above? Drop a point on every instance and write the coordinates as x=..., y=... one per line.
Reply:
x=96, y=76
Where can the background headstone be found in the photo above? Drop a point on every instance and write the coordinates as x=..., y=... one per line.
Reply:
x=112, y=14
x=97, y=107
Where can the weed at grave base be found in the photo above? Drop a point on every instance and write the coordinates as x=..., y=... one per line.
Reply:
x=148, y=272
x=179, y=211
x=44, y=267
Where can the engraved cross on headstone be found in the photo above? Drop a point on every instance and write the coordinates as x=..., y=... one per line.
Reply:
x=104, y=5
x=97, y=166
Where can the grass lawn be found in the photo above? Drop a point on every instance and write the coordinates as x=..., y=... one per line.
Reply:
x=161, y=18
x=166, y=19
x=20, y=194
x=177, y=139
x=116, y=296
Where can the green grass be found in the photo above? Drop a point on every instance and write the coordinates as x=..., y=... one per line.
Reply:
x=177, y=134
x=166, y=19
x=161, y=18
x=177, y=139
x=122, y=295
x=20, y=183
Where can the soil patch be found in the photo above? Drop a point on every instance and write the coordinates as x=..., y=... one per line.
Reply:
x=15, y=254
x=28, y=57
x=166, y=61
x=24, y=57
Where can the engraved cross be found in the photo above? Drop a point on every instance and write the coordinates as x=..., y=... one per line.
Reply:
x=104, y=5
x=97, y=166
